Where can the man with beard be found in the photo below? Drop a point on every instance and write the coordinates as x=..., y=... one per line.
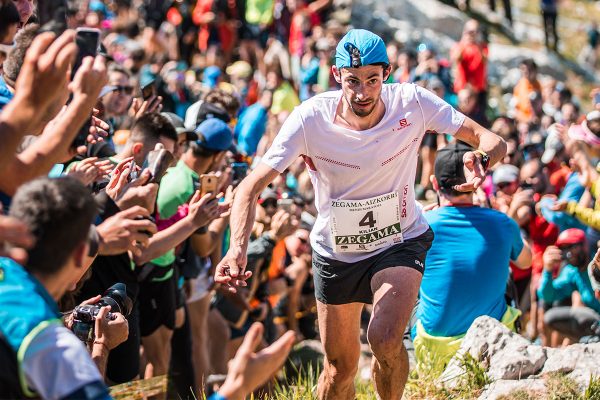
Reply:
x=370, y=238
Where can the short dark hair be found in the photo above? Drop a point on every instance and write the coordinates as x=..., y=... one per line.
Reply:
x=59, y=213
x=227, y=101
x=120, y=69
x=16, y=57
x=151, y=126
x=530, y=64
x=9, y=15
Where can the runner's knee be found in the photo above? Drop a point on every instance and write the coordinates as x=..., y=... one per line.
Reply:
x=385, y=342
x=341, y=370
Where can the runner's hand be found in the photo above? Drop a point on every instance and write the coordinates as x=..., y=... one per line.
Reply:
x=230, y=271
x=474, y=173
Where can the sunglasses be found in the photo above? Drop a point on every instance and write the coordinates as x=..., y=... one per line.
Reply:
x=269, y=203
x=503, y=185
x=124, y=89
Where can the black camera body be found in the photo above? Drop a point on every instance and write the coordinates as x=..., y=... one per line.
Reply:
x=84, y=316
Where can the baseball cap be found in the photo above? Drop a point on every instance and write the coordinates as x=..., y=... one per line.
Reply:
x=553, y=146
x=211, y=75
x=570, y=236
x=241, y=69
x=180, y=128
x=214, y=134
x=505, y=173
x=449, y=167
x=360, y=47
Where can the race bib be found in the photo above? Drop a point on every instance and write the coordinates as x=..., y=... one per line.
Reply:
x=366, y=225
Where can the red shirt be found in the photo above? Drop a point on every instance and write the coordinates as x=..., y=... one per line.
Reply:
x=472, y=66
x=542, y=234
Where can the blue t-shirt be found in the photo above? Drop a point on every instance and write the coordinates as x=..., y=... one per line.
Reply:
x=5, y=95
x=250, y=128
x=466, y=269
x=572, y=191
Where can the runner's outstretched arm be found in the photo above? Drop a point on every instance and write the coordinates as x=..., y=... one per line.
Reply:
x=487, y=142
x=230, y=271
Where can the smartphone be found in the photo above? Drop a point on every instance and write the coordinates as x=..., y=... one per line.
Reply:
x=285, y=205
x=133, y=173
x=87, y=40
x=158, y=161
x=208, y=184
x=148, y=90
x=240, y=170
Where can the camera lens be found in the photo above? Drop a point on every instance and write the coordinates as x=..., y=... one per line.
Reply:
x=116, y=297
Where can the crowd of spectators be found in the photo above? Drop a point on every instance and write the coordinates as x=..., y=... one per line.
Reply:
x=202, y=88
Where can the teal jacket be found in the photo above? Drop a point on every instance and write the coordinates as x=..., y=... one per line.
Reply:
x=26, y=308
x=569, y=280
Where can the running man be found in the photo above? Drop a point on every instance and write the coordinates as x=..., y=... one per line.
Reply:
x=370, y=238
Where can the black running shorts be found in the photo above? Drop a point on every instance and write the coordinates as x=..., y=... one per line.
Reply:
x=337, y=282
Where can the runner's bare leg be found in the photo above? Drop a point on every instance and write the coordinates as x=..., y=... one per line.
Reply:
x=395, y=292
x=339, y=327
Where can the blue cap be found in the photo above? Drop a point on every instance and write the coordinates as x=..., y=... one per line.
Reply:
x=214, y=134
x=367, y=48
x=211, y=75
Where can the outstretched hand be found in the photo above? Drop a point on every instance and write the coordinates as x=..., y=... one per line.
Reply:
x=249, y=370
x=231, y=270
x=474, y=173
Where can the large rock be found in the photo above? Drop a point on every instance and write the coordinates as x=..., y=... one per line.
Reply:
x=579, y=362
x=505, y=354
x=506, y=388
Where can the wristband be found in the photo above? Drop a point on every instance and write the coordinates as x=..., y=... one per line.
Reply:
x=94, y=241
x=217, y=396
x=485, y=159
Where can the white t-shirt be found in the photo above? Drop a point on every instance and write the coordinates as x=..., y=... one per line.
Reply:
x=57, y=363
x=346, y=164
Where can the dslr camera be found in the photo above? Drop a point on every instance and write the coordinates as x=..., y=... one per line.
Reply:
x=84, y=316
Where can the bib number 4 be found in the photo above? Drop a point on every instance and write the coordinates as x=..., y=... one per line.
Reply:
x=366, y=225
x=368, y=220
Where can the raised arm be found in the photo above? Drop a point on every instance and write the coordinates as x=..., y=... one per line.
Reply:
x=230, y=270
x=486, y=143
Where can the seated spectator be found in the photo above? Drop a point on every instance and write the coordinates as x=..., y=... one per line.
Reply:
x=576, y=320
x=465, y=275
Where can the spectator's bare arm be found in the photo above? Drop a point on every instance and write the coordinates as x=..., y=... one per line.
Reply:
x=55, y=143
x=42, y=77
x=249, y=370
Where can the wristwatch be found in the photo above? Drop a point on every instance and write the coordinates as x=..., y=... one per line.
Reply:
x=485, y=159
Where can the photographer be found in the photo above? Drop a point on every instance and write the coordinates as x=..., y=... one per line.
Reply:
x=58, y=212
x=572, y=283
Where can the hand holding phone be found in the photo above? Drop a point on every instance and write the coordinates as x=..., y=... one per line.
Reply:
x=208, y=184
x=286, y=205
x=87, y=40
x=148, y=90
